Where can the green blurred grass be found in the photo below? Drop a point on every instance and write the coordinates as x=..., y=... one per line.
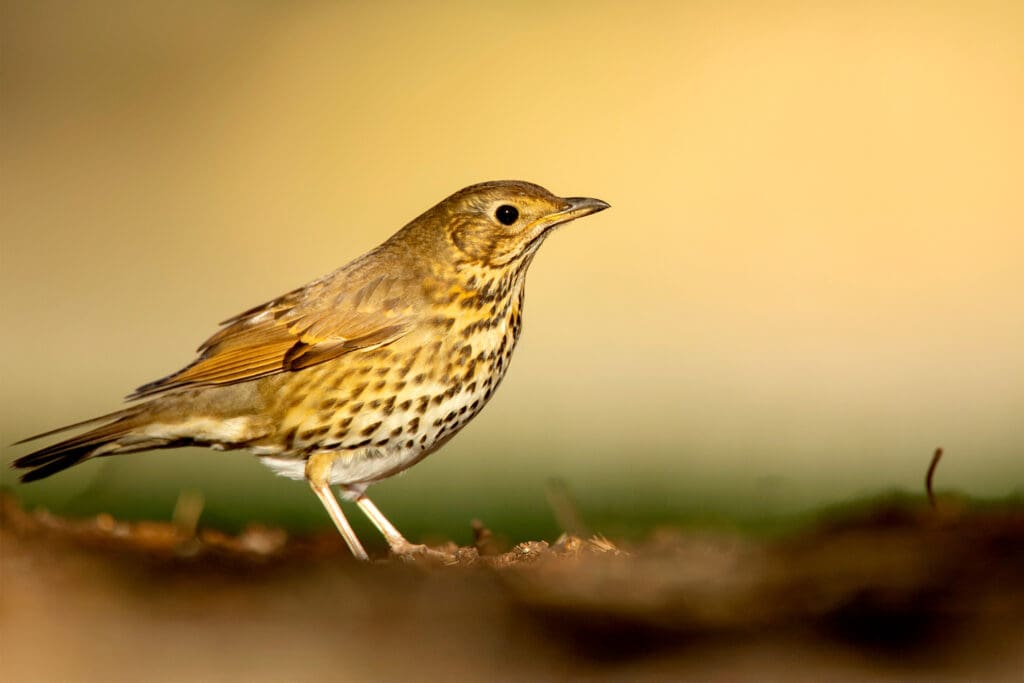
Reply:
x=438, y=499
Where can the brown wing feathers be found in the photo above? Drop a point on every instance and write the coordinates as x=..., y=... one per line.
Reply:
x=326, y=319
x=344, y=312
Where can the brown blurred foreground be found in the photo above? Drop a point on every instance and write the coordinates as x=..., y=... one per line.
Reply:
x=900, y=592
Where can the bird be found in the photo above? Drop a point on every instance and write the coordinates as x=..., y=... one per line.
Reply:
x=357, y=375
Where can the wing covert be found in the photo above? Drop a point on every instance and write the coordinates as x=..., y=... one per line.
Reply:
x=363, y=305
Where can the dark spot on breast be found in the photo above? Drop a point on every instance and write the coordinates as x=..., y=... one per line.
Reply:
x=409, y=360
x=405, y=405
x=311, y=434
x=389, y=406
x=355, y=407
x=370, y=429
x=340, y=379
x=414, y=425
x=359, y=389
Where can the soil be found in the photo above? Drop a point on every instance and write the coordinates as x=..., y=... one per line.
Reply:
x=899, y=592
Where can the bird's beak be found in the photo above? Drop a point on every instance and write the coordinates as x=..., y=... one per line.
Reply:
x=576, y=207
x=581, y=206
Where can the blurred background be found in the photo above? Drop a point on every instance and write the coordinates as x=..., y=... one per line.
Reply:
x=810, y=278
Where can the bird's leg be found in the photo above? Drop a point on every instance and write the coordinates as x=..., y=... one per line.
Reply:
x=396, y=541
x=323, y=492
x=318, y=469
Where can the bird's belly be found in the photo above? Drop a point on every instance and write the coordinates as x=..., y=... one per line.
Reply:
x=378, y=445
x=352, y=466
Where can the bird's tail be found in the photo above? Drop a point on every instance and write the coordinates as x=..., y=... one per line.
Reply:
x=120, y=432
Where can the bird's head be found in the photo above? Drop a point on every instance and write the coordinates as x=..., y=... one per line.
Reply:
x=496, y=224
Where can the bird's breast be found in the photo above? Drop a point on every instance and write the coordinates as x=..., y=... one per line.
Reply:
x=390, y=407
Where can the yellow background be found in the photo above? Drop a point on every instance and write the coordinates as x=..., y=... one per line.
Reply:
x=811, y=275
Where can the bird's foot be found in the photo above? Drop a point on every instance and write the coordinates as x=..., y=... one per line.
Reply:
x=413, y=552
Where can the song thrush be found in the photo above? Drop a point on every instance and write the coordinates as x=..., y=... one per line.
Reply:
x=361, y=373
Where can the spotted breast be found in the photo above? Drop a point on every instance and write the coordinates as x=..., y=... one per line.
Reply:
x=406, y=400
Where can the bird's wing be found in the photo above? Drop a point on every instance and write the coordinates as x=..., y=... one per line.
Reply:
x=363, y=305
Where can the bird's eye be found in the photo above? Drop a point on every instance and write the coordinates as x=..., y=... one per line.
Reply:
x=507, y=214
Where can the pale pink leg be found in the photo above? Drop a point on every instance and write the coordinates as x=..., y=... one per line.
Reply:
x=396, y=541
x=323, y=492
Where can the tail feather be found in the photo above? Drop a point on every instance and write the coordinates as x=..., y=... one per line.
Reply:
x=109, y=417
x=117, y=436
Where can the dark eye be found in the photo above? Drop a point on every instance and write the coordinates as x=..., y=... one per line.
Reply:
x=507, y=214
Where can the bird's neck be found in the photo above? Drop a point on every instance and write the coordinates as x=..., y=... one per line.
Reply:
x=480, y=287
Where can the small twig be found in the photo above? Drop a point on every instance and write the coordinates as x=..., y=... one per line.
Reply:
x=565, y=509
x=484, y=541
x=931, y=473
x=187, y=510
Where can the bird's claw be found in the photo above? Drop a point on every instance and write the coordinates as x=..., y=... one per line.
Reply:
x=411, y=552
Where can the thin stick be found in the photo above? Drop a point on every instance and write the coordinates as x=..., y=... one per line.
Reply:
x=187, y=510
x=565, y=509
x=931, y=473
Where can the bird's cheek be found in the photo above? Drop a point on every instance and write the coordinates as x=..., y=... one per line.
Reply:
x=470, y=244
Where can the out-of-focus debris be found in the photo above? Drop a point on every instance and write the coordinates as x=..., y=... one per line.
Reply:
x=574, y=545
x=484, y=540
x=566, y=510
x=893, y=583
x=179, y=537
x=187, y=511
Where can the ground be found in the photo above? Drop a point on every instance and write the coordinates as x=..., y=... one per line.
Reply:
x=899, y=591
